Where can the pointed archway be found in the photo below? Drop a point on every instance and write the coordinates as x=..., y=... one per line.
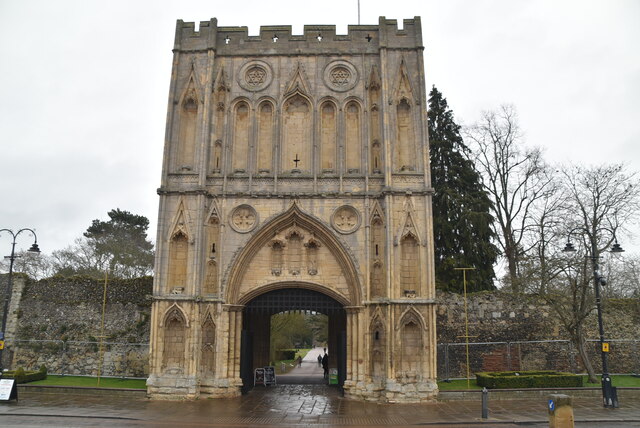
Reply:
x=243, y=281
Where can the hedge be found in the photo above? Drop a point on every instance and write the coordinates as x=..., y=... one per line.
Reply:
x=532, y=379
x=285, y=354
x=23, y=376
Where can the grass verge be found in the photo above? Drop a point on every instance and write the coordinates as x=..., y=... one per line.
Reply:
x=105, y=382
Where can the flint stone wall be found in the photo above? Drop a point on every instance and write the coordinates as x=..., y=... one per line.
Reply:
x=58, y=324
x=514, y=318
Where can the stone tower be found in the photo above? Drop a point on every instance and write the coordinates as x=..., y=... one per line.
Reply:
x=295, y=177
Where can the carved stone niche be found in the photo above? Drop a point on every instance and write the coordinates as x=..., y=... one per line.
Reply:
x=346, y=219
x=243, y=219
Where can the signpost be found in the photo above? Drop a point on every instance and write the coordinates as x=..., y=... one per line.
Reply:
x=8, y=390
x=258, y=376
x=269, y=375
x=264, y=376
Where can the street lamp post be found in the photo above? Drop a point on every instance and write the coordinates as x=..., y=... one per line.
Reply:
x=609, y=397
x=7, y=294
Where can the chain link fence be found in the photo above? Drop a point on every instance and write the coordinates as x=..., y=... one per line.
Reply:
x=82, y=358
x=557, y=355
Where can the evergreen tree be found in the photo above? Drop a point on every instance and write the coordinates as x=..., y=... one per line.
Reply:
x=118, y=246
x=461, y=208
x=122, y=242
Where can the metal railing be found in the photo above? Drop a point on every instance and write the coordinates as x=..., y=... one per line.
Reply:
x=131, y=359
x=557, y=355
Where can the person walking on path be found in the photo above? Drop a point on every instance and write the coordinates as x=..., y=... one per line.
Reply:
x=325, y=365
x=299, y=361
x=319, y=360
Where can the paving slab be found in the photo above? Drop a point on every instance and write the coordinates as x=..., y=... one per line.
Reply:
x=292, y=406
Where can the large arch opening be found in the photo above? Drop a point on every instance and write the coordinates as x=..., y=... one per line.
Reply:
x=256, y=328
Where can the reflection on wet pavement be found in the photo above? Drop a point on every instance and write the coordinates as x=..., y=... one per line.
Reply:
x=285, y=405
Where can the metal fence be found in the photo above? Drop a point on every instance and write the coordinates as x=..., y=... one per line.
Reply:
x=558, y=355
x=82, y=358
x=132, y=359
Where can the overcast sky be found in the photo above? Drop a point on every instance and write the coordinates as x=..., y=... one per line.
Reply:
x=84, y=87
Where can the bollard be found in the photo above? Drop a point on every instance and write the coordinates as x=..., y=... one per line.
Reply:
x=560, y=411
x=485, y=403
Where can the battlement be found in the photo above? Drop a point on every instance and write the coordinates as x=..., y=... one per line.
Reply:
x=316, y=39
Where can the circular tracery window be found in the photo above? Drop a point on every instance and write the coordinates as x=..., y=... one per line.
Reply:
x=340, y=76
x=255, y=76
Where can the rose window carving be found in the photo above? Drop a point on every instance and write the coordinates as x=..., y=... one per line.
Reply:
x=346, y=219
x=256, y=76
x=244, y=219
x=340, y=76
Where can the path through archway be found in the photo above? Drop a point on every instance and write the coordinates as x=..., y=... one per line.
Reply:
x=255, y=341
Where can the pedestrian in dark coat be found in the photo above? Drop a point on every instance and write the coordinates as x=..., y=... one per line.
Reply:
x=325, y=365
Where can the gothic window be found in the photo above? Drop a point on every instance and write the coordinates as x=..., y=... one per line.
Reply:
x=218, y=130
x=178, y=251
x=411, y=350
x=216, y=157
x=377, y=258
x=265, y=137
x=410, y=263
x=187, y=135
x=353, y=143
x=406, y=147
x=211, y=278
x=378, y=347
x=328, y=133
x=295, y=253
x=296, y=143
x=174, y=342
x=312, y=257
x=277, y=258
x=208, y=347
x=240, y=138
x=376, y=158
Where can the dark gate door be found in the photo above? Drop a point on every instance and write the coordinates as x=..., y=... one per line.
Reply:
x=246, y=360
x=290, y=299
x=342, y=358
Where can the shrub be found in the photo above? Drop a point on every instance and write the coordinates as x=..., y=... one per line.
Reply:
x=285, y=354
x=533, y=379
x=23, y=376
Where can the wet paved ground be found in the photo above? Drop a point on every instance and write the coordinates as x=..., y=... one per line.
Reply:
x=294, y=406
x=310, y=372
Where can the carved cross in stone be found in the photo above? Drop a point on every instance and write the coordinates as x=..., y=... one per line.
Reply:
x=296, y=160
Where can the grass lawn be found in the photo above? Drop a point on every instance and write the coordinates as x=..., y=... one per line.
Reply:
x=105, y=382
x=617, y=380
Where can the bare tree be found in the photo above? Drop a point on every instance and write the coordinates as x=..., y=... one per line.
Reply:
x=570, y=295
x=34, y=265
x=513, y=175
x=595, y=206
x=537, y=266
x=623, y=277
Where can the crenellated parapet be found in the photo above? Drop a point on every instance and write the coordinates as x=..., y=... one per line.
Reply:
x=315, y=40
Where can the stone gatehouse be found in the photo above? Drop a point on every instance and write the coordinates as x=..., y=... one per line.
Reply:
x=295, y=177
